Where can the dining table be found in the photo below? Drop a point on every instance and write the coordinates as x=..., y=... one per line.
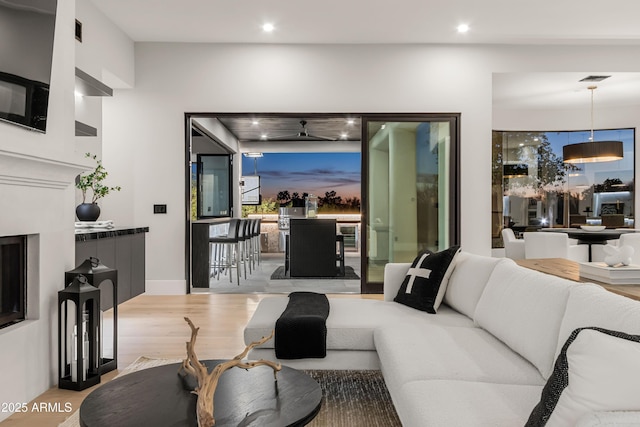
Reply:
x=591, y=237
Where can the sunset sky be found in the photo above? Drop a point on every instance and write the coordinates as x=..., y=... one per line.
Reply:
x=314, y=173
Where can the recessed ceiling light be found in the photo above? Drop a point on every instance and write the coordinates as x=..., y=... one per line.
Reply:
x=521, y=144
x=344, y=135
x=463, y=28
x=268, y=27
x=263, y=136
x=254, y=122
x=350, y=121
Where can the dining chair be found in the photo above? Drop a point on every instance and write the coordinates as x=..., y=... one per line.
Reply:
x=597, y=250
x=513, y=247
x=539, y=244
x=633, y=240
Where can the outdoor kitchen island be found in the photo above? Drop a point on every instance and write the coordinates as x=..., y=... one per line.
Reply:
x=311, y=248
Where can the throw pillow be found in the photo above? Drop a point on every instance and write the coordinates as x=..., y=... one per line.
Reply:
x=426, y=281
x=597, y=370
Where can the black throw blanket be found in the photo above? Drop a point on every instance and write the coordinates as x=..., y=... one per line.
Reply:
x=301, y=330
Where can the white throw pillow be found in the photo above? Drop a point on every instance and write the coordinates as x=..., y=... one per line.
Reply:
x=597, y=370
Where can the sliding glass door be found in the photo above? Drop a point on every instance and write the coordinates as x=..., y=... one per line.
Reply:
x=412, y=179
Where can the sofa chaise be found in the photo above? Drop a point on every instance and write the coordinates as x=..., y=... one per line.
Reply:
x=503, y=342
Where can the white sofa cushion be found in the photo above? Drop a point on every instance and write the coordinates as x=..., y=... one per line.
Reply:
x=464, y=404
x=591, y=305
x=394, y=273
x=351, y=322
x=411, y=352
x=468, y=280
x=596, y=371
x=524, y=308
x=610, y=419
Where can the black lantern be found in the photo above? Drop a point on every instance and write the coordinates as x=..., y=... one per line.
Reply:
x=78, y=337
x=97, y=274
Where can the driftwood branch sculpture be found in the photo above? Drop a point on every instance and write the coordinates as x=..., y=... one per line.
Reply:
x=207, y=381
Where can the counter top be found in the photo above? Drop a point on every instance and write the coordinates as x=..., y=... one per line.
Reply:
x=84, y=234
x=221, y=220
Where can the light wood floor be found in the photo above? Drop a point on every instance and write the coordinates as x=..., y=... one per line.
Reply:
x=154, y=326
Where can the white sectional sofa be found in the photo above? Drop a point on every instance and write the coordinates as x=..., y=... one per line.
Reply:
x=486, y=355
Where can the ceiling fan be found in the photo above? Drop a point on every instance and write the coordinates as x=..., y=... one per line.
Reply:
x=303, y=135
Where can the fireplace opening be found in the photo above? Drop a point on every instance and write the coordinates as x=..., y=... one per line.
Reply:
x=13, y=255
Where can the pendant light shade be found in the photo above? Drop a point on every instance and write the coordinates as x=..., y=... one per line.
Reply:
x=592, y=151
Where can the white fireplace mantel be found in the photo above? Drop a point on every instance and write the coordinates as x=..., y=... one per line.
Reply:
x=33, y=171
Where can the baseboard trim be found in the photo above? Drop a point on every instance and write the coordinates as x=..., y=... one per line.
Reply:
x=166, y=287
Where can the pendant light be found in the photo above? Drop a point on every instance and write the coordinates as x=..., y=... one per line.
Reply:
x=592, y=151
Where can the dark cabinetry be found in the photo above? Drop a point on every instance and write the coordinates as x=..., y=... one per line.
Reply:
x=201, y=231
x=312, y=248
x=123, y=250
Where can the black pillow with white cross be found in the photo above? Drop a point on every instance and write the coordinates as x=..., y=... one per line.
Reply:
x=425, y=283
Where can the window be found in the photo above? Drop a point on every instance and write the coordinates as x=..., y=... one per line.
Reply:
x=533, y=188
x=214, y=186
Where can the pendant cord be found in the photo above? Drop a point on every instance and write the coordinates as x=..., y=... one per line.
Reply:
x=592, y=88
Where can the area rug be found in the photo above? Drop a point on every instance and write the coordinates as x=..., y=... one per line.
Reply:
x=349, y=398
x=349, y=274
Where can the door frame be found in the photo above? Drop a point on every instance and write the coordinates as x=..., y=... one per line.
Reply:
x=366, y=286
x=454, y=178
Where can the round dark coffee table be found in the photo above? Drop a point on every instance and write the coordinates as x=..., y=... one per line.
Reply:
x=160, y=397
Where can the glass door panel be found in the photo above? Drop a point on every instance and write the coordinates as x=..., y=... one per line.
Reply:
x=410, y=191
x=214, y=178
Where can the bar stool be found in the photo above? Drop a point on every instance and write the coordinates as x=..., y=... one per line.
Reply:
x=244, y=236
x=224, y=252
x=255, y=241
x=340, y=253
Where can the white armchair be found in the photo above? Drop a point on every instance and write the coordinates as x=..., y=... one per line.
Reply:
x=633, y=240
x=513, y=248
x=540, y=244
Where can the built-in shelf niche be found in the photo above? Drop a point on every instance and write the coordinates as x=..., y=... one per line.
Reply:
x=86, y=85
x=83, y=129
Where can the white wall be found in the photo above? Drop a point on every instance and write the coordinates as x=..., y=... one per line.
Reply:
x=106, y=52
x=146, y=124
x=37, y=195
x=28, y=360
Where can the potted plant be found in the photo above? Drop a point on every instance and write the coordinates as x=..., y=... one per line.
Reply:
x=92, y=181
